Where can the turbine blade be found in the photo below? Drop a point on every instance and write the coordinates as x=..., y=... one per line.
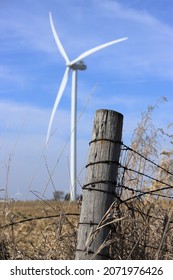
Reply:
x=96, y=49
x=58, y=98
x=57, y=40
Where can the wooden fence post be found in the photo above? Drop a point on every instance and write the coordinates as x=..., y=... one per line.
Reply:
x=99, y=190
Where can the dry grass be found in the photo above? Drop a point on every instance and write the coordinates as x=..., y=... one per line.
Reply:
x=146, y=232
x=142, y=230
x=45, y=238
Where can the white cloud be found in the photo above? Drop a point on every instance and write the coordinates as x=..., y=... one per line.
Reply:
x=24, y=29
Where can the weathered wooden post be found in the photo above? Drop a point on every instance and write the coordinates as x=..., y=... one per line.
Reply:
x=99, y=190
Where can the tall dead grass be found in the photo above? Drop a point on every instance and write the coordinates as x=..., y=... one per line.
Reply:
x=146, y=232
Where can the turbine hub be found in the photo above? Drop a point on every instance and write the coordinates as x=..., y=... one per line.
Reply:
x=78, y=66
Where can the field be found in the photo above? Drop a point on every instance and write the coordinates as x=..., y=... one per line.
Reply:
x=38, y=230
x=48, y=230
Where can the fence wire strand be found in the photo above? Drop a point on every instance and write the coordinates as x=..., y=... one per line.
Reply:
x=124, y=168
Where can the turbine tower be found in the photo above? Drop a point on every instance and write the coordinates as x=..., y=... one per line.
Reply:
x=74, y=65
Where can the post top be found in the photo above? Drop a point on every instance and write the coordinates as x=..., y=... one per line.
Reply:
x=109, y=110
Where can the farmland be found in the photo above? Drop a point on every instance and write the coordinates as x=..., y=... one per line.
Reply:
x=38, y=230
x=48, y=230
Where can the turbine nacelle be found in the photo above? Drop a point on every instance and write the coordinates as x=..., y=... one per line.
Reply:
x=77, y=66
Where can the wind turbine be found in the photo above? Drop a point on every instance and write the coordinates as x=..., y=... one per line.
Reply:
x=74, y=65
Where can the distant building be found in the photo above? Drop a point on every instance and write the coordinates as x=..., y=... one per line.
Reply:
x=58, y=195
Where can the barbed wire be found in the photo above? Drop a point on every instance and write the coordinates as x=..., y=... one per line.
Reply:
x=37, y=218
x=147, y=159
x=124, y=169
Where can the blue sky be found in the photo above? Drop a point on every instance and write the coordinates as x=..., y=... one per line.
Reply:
x=126, y=77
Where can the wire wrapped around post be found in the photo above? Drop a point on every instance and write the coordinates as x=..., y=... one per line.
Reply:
x=100, y=188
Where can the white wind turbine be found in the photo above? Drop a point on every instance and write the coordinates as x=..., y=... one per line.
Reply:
x=74, y=65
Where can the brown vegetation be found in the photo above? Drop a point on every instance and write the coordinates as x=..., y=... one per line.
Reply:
x=35, y=230
x=38, y=230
